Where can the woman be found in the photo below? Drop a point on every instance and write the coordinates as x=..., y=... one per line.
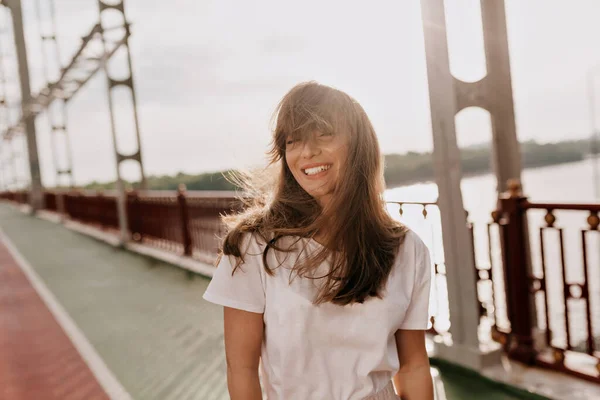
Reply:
x=321, y=287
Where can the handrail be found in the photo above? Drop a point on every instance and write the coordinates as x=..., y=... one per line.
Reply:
x=561, y=206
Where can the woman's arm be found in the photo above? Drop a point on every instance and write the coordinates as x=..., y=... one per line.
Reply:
x=413, y=380
x=243, y=339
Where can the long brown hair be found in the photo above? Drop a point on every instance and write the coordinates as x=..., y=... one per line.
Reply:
x=361, y=239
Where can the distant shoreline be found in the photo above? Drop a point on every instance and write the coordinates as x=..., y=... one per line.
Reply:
x=410, y=168
x=400, y=169
x=482, y=173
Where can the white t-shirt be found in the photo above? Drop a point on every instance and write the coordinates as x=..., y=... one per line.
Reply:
x=324, y=351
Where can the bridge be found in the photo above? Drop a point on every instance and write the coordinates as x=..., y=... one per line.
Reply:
x=101, y=290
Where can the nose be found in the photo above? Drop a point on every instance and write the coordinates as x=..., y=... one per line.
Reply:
x=310, y=148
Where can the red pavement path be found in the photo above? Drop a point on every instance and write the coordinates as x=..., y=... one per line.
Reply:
x=37, y=359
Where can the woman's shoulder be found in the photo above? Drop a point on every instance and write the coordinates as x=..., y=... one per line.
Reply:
x=412, y=250
x=412, y=242
x=412, y=262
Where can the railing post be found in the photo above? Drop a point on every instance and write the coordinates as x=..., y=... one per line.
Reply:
x=60, y=206
x=185, y=222
x=133, y=211
x=80, y=215
x=101, y=209
x=514, y=236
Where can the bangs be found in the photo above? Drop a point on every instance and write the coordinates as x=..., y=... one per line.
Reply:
x=299, y=123
x=310, y=108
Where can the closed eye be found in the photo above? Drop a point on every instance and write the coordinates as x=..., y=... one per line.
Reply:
x=291, y=142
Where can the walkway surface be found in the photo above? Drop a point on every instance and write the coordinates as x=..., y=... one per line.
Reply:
x=38, y=359
x=141, y=325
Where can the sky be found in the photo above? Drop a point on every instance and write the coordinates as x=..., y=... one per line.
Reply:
x=209, y=74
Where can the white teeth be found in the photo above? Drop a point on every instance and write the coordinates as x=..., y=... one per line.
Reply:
x=316, y=170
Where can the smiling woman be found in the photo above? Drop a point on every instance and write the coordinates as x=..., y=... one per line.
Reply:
x=321, y=286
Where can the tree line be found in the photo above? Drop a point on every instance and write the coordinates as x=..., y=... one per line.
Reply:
x=400, y=169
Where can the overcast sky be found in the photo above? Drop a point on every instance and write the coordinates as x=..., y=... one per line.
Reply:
x=209, y=74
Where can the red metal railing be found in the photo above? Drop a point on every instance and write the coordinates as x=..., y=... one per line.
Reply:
x=50, y=202
x=205, y=227
x=186, y=223
x=91, y=208
x=558, y=291
x=156, y=221
x=179, y=222
x=21, y=197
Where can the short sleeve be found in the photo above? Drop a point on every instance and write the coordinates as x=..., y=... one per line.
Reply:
x=244, y=289
x=417, y=314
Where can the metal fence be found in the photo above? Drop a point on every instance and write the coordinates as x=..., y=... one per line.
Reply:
x=21, y=197
x=552, y=272
x=179, y=222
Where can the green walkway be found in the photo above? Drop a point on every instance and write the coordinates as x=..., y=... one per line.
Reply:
x=147, y=319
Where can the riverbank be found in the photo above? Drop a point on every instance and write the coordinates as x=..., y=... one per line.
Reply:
x=400, y=169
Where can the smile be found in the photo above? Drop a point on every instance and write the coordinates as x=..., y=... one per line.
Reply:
x=316, y=170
